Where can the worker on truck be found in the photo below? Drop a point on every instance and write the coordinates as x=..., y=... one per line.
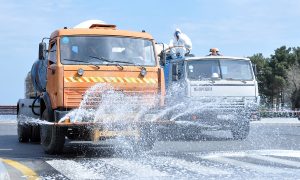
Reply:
x=180, y=45
x=214, y=52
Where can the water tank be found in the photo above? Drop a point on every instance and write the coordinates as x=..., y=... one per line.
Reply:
x=87, y=24
x=39, y=75
x=29, y=89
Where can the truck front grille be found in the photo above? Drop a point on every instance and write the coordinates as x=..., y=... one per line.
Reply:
x=76, y=97
x=220, y=103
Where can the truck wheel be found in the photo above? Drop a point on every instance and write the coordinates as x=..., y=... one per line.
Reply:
x=35, y=133
x=23, y=132
x=52, y=137
x=241, y=130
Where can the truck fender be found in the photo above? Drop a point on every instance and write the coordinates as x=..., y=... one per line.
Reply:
x=45, y=104
x=24, y=108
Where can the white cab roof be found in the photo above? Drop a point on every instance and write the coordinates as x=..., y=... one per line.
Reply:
x=216, y=57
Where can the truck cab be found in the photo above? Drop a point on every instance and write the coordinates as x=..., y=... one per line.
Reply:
x=215, y=93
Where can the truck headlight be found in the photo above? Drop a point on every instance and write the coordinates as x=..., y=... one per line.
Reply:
x=143, y=72
x=80, y=72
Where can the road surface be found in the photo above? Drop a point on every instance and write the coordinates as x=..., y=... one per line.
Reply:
x=271, y=151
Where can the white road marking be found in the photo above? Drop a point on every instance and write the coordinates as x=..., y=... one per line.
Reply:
x=3, y=172
x=276, y=160
x=246, y=165
x=268, y=152
x=151, y=165
x=136, y=168
x=74, y=170
x=191, y=166
x=274, y=152
x=8, y=121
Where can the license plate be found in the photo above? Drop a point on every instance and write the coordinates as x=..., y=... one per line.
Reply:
x=208, y=88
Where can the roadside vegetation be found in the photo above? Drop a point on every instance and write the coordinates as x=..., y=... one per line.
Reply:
x=279, y=78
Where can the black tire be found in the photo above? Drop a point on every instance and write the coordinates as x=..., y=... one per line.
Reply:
x=52, y=137
x=23, y=132
x=241, y=130
x=35, y=133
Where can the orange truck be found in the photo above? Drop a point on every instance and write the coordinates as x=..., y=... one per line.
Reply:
x=74, y=60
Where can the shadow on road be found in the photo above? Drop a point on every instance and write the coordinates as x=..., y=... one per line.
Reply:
x=11, y=148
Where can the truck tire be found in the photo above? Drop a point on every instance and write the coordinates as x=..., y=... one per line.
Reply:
x=35, y=133
x=241, y=130
x=52, y=137
x=23, y=132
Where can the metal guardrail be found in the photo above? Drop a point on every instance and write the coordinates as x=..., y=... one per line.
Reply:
x=12, y=110
x=8, y=110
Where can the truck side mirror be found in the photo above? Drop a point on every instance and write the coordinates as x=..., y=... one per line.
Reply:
x=254, y=69
x=42, y=51
x=175, y=73
x=162, y=57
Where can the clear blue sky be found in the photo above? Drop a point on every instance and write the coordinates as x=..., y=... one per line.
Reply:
x=236, y=27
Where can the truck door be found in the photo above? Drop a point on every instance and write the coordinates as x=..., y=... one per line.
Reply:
x=53, y=74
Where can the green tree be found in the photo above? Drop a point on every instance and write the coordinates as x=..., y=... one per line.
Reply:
x=294, y=79
x=274, y=74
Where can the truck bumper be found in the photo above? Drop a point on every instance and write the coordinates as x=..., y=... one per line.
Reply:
x=208, y=119
x=97, y=130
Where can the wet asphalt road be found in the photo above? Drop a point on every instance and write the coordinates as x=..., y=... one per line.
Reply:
x=271, y=151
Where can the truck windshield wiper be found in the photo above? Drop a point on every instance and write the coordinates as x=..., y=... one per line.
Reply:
x=77, y=60
x=111, y=60
x=230, y=79
x=114, y=62
x=242, y=80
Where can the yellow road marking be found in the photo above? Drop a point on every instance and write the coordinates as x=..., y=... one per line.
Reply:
x=26, y=171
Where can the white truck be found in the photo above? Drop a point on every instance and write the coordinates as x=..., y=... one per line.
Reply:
x=211, y=93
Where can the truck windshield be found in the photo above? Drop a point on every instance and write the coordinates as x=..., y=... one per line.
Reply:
x=106, y=50
x=219, y=69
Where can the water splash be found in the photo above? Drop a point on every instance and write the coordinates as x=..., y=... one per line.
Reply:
x=106, y=105
x=111, y=109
